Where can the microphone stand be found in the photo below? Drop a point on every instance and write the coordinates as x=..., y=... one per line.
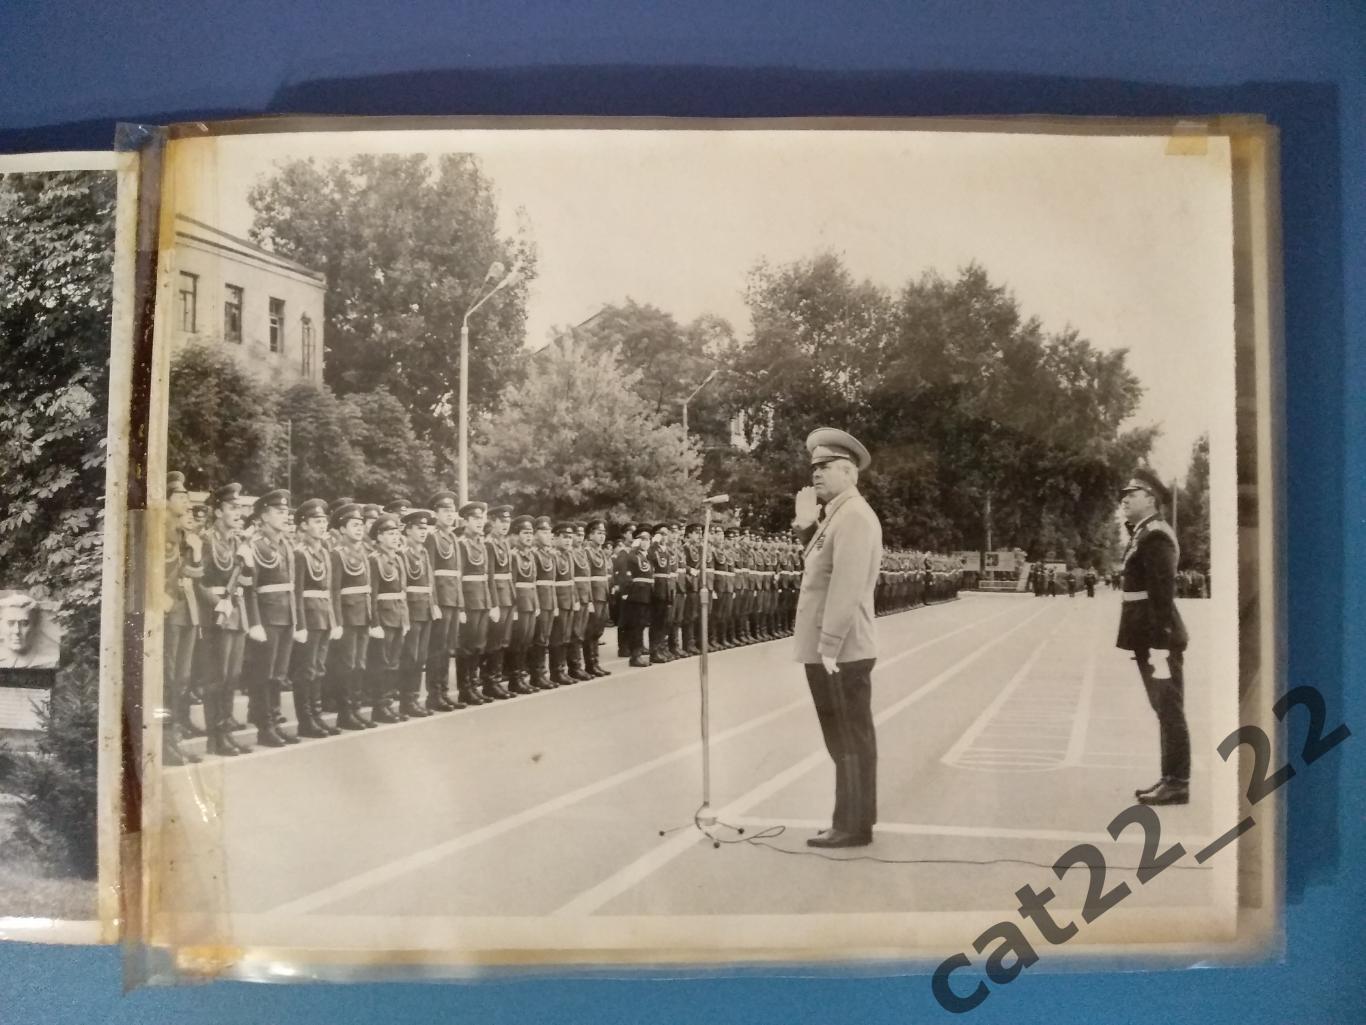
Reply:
x=705, y=820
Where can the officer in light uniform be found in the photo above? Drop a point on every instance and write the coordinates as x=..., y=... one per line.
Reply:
x=444, y=645
x=272, y=618
x=314, y=615
x=355, y=607
x=389, y=584
x=525, y=610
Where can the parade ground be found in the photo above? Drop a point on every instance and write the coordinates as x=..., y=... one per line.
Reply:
x=1009, y=729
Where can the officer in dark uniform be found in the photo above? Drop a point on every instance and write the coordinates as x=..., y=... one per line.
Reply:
x=566, y=604
x=314, y=615
x=661, y=600
x=476, y=597
x=638, y=599
x=621, y=584
x=1090, y=581
x=542, y=666
x=500, y=592
x=227, y=573
x=355, y=608
x=692, y=584
x=583, y=605
x=272, y=618
x=422, y=612
x=1149, y=621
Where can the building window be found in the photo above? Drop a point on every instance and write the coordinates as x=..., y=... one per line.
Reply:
x=189, y=301
x=232, y=313
x=277, y=325
x=306, y=345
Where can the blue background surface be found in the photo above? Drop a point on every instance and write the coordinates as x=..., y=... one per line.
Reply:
x=68, y=71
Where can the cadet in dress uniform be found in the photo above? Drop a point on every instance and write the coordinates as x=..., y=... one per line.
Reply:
x=566, y=604
x=725, y=588
x=692, y=589
x=679, y=590
x=389, y=585
x=227, y=574
x=525, y=609
x=272, y=618
x=422, y=612
x=500, y=591
x=583, y=605
x=355, y=608
x=476, y=596
x=184, y=604
x=444, y=644
x=661, y=601
x=1150, y=621
x=543, y=666
x=638, y=599
x=599, y=578
x=314, y=615
x=835, y=638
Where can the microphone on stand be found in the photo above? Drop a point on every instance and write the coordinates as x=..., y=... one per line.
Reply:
x=716, y=500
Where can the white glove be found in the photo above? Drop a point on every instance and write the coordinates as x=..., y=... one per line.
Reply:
x=336, y=634
x=257, y=634
x=829, y=663
x=377, y=632
x=460, y=616
x=494, y=615
x=300, y=636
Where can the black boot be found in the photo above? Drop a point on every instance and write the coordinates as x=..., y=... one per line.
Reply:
x=573, y=654
x=310, y=725
x=558, y=673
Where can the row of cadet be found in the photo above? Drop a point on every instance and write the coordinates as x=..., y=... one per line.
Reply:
x=363, y=611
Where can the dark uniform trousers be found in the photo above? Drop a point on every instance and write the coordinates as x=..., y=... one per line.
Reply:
x=383, y=665
x=442, y=645
x=178, y=654
x=267, y=665
x=523, y=633
x=1166, y=695
x=413, y=659
x=346, y=658
x=843, y=702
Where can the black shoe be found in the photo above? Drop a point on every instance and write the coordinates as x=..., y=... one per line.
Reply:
x=641, y=661
x=270, y=737
x=311, y=728
x=579, y=674
x=224, y=746
x=831, y=838
x=188, y=730
x=1150, y=789
x=410, y=708
x=1169, y=791
x=384, y=714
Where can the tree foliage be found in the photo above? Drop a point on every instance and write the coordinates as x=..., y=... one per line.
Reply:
x=1193, y=510
x=963, y=400
x=405, y=243
x=223, y=422
x=56, y=255
x=576, y=438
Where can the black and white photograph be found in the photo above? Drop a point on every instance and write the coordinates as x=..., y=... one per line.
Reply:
x=57, y=461
x=624, y=543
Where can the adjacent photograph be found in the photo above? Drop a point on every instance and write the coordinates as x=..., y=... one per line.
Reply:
x=689, y=543
x=59, y=463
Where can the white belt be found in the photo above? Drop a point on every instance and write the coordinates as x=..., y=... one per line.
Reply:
x=602, y=579
x=502, y=576
x=317, y=594
x=360, y=589
x=642, y=580
x=218, y=590
x=414, y=589
x=723, y=573
x=389, y=596
x=447, y=573
x=1135, y=595
x=692, y=572
x=523, y=583
x=658, y=575
x=564, y=583
x=481, y=577
x=273, y=588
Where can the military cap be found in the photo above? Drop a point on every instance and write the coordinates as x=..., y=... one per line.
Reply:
x=175, y=483
x=307, y=510
x=564, y=527
x=340, y=503
x=442, y=498
x=593, y=525
x=398, y=505
x=386, y=522
x=658, y=527
x=542, y=523
x=693, y=528
x=370, y=510
x=472, y=507
x=521, y=523
x=644, y=532
x=276, y=499
x=732, y=532
x=346, y=513
x=419, y=518
x=199, y=511
x=1143, y=479
x=225, y=495
x=827, y=443
x=500, y=512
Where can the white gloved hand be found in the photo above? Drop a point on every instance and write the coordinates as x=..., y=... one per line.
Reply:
x=805, y=507
x=829, y=663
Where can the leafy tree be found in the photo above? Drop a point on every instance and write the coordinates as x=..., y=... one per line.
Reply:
x=55, y=300
x=224, y=423
x=576, y=438
x=322, y=461
x=393, y=460
x=1193, y=510
x=406, y=244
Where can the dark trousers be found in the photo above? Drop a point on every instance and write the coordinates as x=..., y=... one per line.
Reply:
x=659, y=623
x=266, y=665
x=844, y=709
x=413, y=658
x=441, y=646
x=177, y=660
x=474, y=632
x=1167, y=697
x=382, y=663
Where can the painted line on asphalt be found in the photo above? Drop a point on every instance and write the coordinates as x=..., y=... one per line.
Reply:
x=392, y=870
x=594, y=898
x=1131, y=836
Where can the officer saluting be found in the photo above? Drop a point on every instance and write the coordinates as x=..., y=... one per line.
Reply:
x=1149, y=621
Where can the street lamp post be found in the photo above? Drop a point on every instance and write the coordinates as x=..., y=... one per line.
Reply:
x=705, y=381
x=495, y=273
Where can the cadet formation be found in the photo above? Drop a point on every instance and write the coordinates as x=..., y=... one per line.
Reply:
x=384, y=614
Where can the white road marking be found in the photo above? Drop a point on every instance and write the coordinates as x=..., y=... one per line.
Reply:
x=619, y=882
x=1133, y=836
x=389, y=871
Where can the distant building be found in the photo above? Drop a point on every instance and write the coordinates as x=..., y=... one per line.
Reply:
x=265, y=310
